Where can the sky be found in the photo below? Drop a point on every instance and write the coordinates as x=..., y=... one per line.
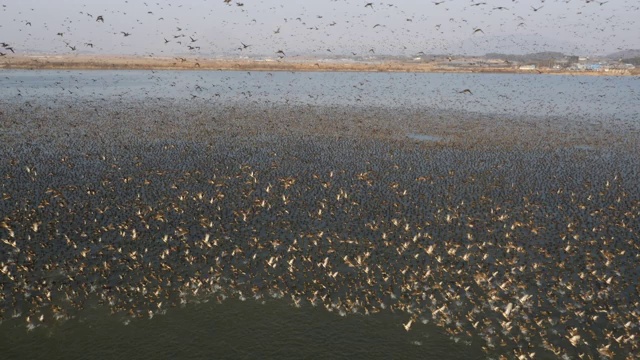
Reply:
x=318, y=28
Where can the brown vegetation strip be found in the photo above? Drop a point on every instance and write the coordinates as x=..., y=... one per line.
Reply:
x=140, y=63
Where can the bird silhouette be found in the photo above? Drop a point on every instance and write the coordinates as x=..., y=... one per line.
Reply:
x=100, y=18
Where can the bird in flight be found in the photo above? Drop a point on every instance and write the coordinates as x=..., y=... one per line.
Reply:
x=465, y=91
x=244, y=46
x=192, y=39
x=100, y=18
x=534, y=9
x=407, y=326
x=125, y=33
x=369, y=5
x=478, y=30
x=2, y=54
x=437, y=2
x=165, y=40
x=281, y=52
x=89, y=45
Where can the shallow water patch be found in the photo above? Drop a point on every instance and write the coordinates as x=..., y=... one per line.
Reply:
x=424, y=137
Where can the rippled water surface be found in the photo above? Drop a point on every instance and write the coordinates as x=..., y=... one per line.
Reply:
x=516, y=94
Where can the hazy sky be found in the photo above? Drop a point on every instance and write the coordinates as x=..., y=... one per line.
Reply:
x=319, y=27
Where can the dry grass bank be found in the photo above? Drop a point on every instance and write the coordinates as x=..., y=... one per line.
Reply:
x=142, y=63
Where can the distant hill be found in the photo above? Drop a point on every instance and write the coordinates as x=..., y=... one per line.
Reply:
x=539, y=56
x=624, y=54
x=634, y=61
x=518, y=44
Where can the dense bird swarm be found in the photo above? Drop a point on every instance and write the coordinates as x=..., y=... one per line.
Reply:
x=533, y=249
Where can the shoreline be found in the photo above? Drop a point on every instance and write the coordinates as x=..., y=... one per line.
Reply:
x=178, y=63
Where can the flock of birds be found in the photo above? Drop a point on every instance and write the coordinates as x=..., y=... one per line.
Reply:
x=112, y=23
x=6, y=46
x=532, y=252
x=490, y=246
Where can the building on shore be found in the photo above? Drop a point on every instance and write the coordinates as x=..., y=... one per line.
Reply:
x=527, y=67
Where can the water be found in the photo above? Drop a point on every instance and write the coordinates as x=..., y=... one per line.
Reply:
x=235, y=330
x=591, y=97
x=424, y=137
x=273, y=328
